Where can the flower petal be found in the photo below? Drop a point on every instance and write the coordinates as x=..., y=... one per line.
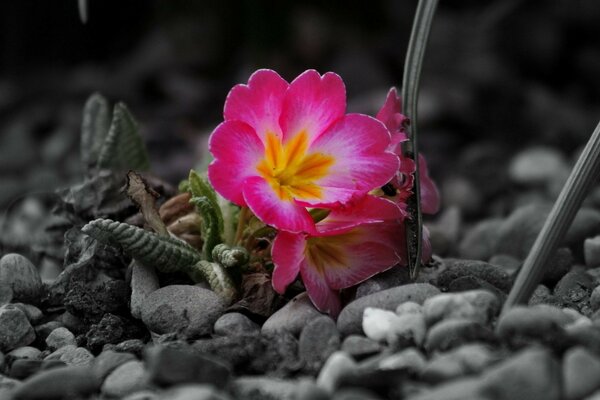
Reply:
x=258, y=103
x=236, y=149
x=287, y=253
x=358, y=144
x=430, y=197
x=285, y=215
x=365, y=209
x=312, y=103
x=323, y=297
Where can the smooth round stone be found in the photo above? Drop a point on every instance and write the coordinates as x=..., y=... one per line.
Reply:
x=15, y=329
x=108, y=361
x=581, y=373
x=182, y=308
x=60, y=337
x=6, y=294
x=464, y=360
x=459, y=389
x=350, y=319
x=318, y=340
x=539, y=321
x=403, y=329
x=23, y=368
x=259, y=387
x=391, y=278
x=595, y=298
x=591, y=252
x=451, y=333
x=72, y=355
x=146, y=395
x=575, y=287
x=34, y=314
x=308, y=390
x=338, y=367
x=194, y=392
x=476, y=305
x=58, y=383
x=125, y=379
x=486, y=275
x=26, y=353
x=479, y=241
x=360, y=347
x=537, y=165
x=143, y=282
x=292, y=317
x=532, y=373
x=7, y=386
x=234, y=324
x=22, y=276
x=461, y=193
x=409, y=307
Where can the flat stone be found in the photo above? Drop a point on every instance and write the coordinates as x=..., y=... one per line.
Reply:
x=22, y=277
x=318, y=340
x=108, y=361
x=338, y=367
x=187, y=309
x=459, y=389
x=143, y=282
x=477, y=305
x=581, y=372
x=360, y=347
x=24, y=368
x=58, y=383
x=25, y=353
x=15, y=329
x=125, y=379
x=350, y=319
x=234, y=323
x=464, y=360
x=72, y=355
x=451, y=333
x=34, y=314
x=60, y=337
x=292, y=317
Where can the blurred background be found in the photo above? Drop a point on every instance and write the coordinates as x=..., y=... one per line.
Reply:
x=500, y=76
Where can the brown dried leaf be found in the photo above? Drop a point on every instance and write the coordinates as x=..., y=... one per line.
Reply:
x=258, y=296
x=145, y=198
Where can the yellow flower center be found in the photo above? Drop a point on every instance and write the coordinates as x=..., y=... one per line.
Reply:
x=290, y=170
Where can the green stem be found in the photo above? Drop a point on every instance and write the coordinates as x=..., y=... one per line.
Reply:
x=583, y=176
x=410, y=95
x=242, y=218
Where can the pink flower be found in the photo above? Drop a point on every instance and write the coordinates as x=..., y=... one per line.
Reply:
x=350, y=245
x=284, y=147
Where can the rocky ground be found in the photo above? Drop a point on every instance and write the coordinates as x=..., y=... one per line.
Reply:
x=510, y=94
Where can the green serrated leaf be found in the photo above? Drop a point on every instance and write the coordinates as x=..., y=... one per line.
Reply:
x=199, y=187
x=184, y=186
x=166, y=254
x=94, y=128
x=217, y=278
x=123, y=148
x=230, y=257
x=210, y=225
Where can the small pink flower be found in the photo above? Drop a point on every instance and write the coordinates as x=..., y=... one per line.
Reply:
x=350, y=245
x=284, y=147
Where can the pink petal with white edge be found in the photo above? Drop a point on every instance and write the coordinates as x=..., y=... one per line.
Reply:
x=430, y=197
x=287, y=253
x=312, y=103
x=390, y=112
x=236, y=150
x=367, y=250
x=361, y=210
x=358, y=143
x=322, y=296
x=258, y=103
x=269, y=208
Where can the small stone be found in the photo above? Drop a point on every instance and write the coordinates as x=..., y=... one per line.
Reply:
x=194, y=392
x=60, y=337
x=574, y=288
x=360, y=347
x=43, y=330
x=15, y=329
x=125, y=379
x=509, y=263
x=581, y=370
x=457, y=269
x=188, y=309
x=541, y=295
x=409, y=361
x=530, y=374
x=108, y=361
x=7, y=386
x=149, y=395
x=22, y=276
x=476, y=305
x=58, y=383
x=378, y=324
x=72, y=355
x=170, y=366
x=409, y=307
x=459, y=389
x=338, y=367
x=350, y=319
x=292, y=317
x=6, y=294
x=595, y=299
x=354, y=393
x=23, y=368
x=451, y=333
x=386, y=325
x=25, y=353
x=464, y=360
x=558, y=265
x=318, y=340
x=479, y=242
x=459, y=192
x=591, y=252
x=308, y=390
x=111, y=329
x=235, y=323
x=143, y=282
x=134, y=346
x=33, y=314
x=388, y=279
x=537, y=165
x=263, y=388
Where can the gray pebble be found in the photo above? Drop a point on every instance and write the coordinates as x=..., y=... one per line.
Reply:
x=60, y=337
x=595, y=298
x=537, y=165
x=360, y=347
x=350, y=319
x=143, y=282
x=125, y=379
x=574, y=288
x=108, y=361
x=509, y=263
x=476, y=305
x=143, y=395
x=6, y=294
x=464, y=360
x=194, y=392
x=187, y=309
x=459, y=389
x=451, y=333
x=7, y=386
x=234, y=323
x=581, y=373
x=22, y=276
x=72, y=355
x=15, y=329
x=264, y=388
x=479, y=242
x=25, y=353
x=318, y=340
x=292, y=317
x=338, y=367
x=540, y=322
x=591, y=252
x=483, y=275
x=58, y=383
x=391, y=278
x=307, y=389
x=409, y=307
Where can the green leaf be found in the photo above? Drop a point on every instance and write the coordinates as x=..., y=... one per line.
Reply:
x=123, y=148
x=210, y=225
x=83, y=10
x=217, y=278
x=166, y=254
x=199, y=187
x=229, y=257
x=94, y=128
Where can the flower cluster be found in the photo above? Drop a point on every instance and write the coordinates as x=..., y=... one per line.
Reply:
x=291, y=154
